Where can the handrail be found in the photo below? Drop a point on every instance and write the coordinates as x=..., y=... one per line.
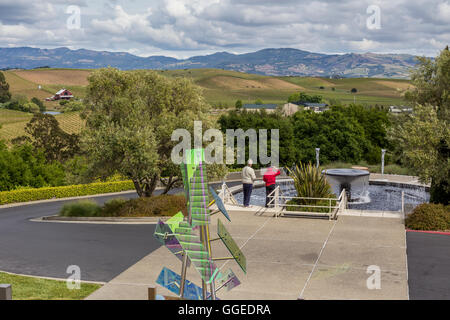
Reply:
x=278, y=202
x=308, y=198
x=226, y=195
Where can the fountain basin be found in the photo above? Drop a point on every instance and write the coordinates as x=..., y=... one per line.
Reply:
x=354, y=181
x=381, y=196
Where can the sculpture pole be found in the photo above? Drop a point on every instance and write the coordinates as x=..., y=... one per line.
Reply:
x=208, y=245
x=183, y=274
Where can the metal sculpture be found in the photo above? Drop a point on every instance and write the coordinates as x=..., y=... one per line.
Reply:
x=189, y=238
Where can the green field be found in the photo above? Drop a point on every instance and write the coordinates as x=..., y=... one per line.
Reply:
x=225, y=87
x=13, y=123
x=221, y=89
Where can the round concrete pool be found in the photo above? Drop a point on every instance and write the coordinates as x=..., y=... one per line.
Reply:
x=378, y=197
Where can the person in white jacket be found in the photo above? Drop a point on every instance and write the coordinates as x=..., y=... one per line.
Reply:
x=248, y=178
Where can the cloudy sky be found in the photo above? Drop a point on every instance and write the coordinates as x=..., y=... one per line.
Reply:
x=183, y=28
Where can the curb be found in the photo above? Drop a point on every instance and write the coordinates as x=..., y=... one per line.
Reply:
x=101, y=220
x=429, y=232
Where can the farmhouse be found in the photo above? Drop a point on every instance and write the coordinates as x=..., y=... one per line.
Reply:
x=62, y=94
x=316, y=107
x=256, y=107
x=291, y=108
x=401, y=109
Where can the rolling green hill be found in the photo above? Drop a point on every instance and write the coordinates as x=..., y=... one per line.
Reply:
x=221, y=88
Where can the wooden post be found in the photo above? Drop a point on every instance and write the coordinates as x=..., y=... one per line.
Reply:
x=151, y=293
x=5, y=292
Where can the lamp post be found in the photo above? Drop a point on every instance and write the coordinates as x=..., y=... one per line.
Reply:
x=383, y=155
x=318, y=157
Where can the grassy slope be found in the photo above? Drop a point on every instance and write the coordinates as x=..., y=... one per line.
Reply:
x=220, y=87
x=30, y=288
x=370, y=91
x=20, y=83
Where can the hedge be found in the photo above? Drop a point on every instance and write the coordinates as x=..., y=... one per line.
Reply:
x=429, y=217
x=25, y=195
x=156, y=206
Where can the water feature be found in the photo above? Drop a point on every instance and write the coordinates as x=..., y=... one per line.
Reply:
x=355, y=182
x=53, y=113
x=379, y=197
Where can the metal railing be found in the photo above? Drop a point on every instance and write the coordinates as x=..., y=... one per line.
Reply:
x=332, y=210
x=278, y=204
x=226, y=195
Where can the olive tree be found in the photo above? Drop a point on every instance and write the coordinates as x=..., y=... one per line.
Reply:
x=130, y=117
x=424, y=136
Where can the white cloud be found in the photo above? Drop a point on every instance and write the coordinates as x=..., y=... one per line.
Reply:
x=443, y=12
x=364, y=45
x=189, y=27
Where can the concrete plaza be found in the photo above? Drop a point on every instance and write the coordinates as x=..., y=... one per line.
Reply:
x=288, y=258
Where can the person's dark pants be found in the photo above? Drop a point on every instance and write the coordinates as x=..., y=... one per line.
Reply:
x=247, y=194
x=269, y=190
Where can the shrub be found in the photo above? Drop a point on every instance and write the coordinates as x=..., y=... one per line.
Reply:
x=72, y=106
x=310, y=183
x=429, y=217
x=21, y=166
x=163, y=205
x=112, y=207
x=82, y=208
x=39, y=103
x=25, y=195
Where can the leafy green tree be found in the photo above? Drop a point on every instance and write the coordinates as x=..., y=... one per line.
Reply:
x=428, y=150
x=39, y=103
x=238, y=105
x=339, y=136
x=5, y=95
x=303, y=97
x=31, y=107
x=130, y=117
x=46, y=135
x=23, y=166
x=262, y=120
x=375, y=123
x=425, y=139
x=348, y=134
x=354, y=90
x=73, y=106
x=431, y=80
x=259, y=101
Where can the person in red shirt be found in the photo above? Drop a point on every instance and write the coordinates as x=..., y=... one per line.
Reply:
x=270, y=178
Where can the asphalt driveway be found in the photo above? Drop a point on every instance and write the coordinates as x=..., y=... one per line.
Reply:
x=46, y=249
x=428, y=266
x=102, y=251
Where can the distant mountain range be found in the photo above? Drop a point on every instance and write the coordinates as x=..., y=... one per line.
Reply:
x=273, y=62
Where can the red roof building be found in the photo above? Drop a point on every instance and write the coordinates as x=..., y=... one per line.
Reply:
x=62, y=94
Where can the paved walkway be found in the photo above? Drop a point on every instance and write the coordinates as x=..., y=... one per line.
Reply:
x=289, y=257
